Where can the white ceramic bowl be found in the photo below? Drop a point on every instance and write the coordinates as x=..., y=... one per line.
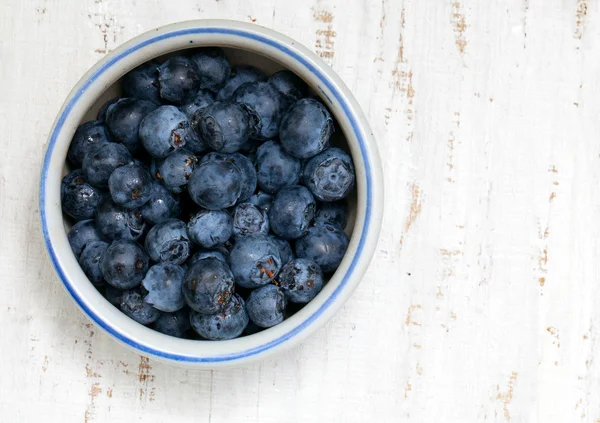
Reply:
x=268, y=50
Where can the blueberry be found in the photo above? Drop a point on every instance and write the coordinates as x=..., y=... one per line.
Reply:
x=289, y=85
x=133, y=305
x=102, y=112
x=239, y=76
x=285, y=249
x=266, y=306
x=301, y=280
x=130, y=186
x=124, y=264
x=306, y=128
x=163, y=205
x=116, y=222
x=334, y=213
x=101, y=160
x=87, y=135
x=90, y=260
x=262, y=200
x=249, y=219
x=208, y=286
x=163, y=131
x=330, y=175
x=113, y=295
x=214, y=67
x=249, y=178
x=179, y=80
x=163, y=283
x=265, y=105
x=78, y=197
x=324, y=244
x=227, y=324
x=168, y=241
x=209, y=228
x=225, y=126
x=81, y=234
x=292, y=212
x=123, y=120
x=215, y=184
x=218, y=254
x=203, y=99
x=276, y=168
x=174, y=324
x=176, y=170
x=255, y=260
x=142, y=82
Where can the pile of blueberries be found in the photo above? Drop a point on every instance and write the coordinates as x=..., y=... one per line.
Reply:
x=208, y=197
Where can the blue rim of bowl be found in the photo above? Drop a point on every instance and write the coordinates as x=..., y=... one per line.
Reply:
x=271, y=344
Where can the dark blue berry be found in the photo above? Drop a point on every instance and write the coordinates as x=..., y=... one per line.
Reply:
x=292, y=212
x=123, y=121
x=116, y=222
x=334, y=213
x=266, y=306
x=124, y=264
x=176, y=170
x=250, y=219
x=133, y=305
x=90, y=260
x=289, y=85
x=168, y=241
x=202, y=100
x=163, y=205
x=215, y=184
x=255, y=260
x=101, y=161
x=179, y=80
x=301, y=280
x=102, y=112
x=324, y=244
x=87, y=135
x=239, y=76
x=226, y=324
x=209, y=228
x=81, y=234
x=142, y=82
x=208, y=286
x=163, y=131
x=249, y=179
x=306, y=128
x=225, y=126
x=163, y=283
x=174, y=324
x=330, y=175
x=265, y=105
x=78, y=197
x=213, y=66
x=276, y=168
x=130, y=186
x=262, y=200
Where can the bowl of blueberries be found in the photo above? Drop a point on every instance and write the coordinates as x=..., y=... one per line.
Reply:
x=211, y=193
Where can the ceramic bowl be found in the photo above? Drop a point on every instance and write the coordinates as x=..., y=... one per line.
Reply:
x=249, y=44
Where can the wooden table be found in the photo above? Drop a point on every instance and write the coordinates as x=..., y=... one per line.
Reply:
x=482, y=302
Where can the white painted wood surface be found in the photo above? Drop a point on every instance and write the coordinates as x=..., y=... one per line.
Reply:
x=482, y=303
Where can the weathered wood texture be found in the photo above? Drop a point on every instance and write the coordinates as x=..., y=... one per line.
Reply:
x=481, y=303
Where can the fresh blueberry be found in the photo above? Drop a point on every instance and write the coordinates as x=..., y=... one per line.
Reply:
x=78, y=197
x=202, y=100
x=226, y=324
x=101, y=160
x=225, y=126
x=113, y=295
x=209, y=228
x=163, y=283
x=163, y=131
x=334, y=213
x=102, y=112
x=142, y=82
x=324, y=244
x=266, y=306
x=306, y=128
x=265, y=105
x=214, y=67
x=133, y=305
x=124, y=264
x=130, y=186
x=262, y=200
x=179, y=80
x=176, y=170
x=239, y=76
x=174, y=324
x=90, y=260
x=208, y=286
x=285, y=249
x=116, y=222
x=289, y=85
x=292, y=212
x=81, y=234
x=250, y=219
x=330, y=175
x=219, y=254
x=215, y=184
x=301, y=280
x=163, y=205
x=276, y=168
x=123, y=120
x=255, y=260
x=168, y=241
x=87, y=135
